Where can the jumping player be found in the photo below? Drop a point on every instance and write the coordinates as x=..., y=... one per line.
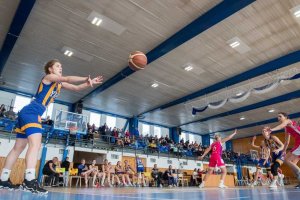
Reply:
x=216, y=159
x=263, y=160
x=291, y=129
x=276, y=147
x=29, y=126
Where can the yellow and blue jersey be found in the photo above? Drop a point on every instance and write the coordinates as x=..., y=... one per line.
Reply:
x=29, y=118
x=47, y=93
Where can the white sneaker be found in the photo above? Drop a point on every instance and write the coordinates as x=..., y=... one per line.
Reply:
x=160, y=185
x=125, y=185
x=170, y=186
x=110, y=185
x=201, y=185
x=273, y=184
x=221, y=185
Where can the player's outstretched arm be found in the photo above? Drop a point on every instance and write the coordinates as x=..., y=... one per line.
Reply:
x=253, y=143
x=229, y=137
x=69, y=79
x=89, y=83
x=205, y=153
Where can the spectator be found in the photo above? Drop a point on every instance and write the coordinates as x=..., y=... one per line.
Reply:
x=48, y=121
x=83, y=171
x=2, y=110
x=49, y=170
x=169, y=174
x=66, y=164
x=156, y=175
x=120, y=173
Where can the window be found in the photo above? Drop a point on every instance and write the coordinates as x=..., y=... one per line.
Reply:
x=48, y=111
x=183, y=136
x=145, y=129
x=111, y=121
x=20, y=102
x=157, y=131
x=191, y=138
x=95, y=119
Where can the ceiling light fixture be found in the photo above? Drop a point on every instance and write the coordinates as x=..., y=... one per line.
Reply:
x=235, y=44
x=239, y=94
x=297, y=13
x=242, y=118
x=68, y=53
x=271, y=111
x=188, y=68
x=154, y=85
x=96, y=21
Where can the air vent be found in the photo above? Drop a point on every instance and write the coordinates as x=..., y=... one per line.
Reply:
x=153, y=160
x=185, y=163
x=169, y=161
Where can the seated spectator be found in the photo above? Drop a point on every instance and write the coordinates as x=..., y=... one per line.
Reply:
x=93, y=172
x=49, y=170
x=2, y=110
x=127, y=141
x=128, y=171
x=156, y=175
x=170, y=176
x=106, y=170
x=66, y=164
x=83, y=170
x=48, y=121
x=195, y=178
x=114, y=176
x=120, y=173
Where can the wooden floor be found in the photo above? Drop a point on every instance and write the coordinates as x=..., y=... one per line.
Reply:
x=284, y=193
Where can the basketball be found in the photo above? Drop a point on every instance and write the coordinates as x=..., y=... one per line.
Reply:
x=137, y=60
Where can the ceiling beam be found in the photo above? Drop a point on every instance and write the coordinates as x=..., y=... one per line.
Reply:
x=268, y=102
x=215, y=15
x=14, y=31
x=270, y=66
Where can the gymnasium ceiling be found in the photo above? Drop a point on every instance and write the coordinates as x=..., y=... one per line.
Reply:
x=267, y=27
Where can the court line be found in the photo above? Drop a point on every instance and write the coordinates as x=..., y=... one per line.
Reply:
x=246, y=197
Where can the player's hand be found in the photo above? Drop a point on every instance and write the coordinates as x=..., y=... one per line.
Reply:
x=254, y=137
x=94, y=81
x=276, y=151
x=235, y=131
x=97, y=80
x=200, y=157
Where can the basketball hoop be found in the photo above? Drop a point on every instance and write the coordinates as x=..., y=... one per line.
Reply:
x=73, y=129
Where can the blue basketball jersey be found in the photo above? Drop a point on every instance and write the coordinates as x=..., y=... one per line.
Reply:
x=47, y=93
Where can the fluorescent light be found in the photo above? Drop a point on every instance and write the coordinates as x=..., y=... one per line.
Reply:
x=154, y=85
x=188, y=68
x=271, y=111
x=242, y=118
x=96, y=21
x=235, y=44
x=68, y=53
x=239, y=94
x=297, y=13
